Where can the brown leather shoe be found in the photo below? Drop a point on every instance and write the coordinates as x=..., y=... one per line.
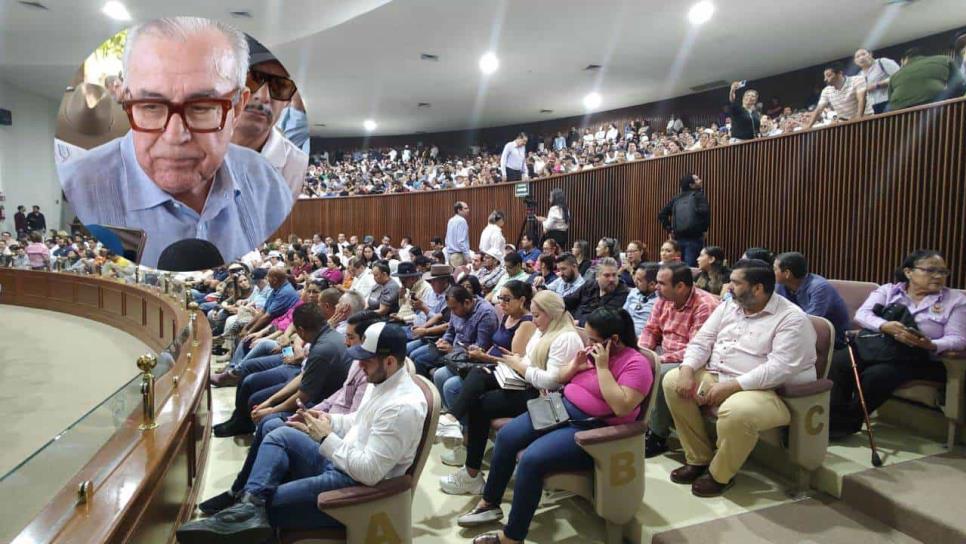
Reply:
x=706, y=487
x=688, y=473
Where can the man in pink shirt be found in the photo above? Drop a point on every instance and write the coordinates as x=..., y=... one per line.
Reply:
x=677, y=316
x=37, y=253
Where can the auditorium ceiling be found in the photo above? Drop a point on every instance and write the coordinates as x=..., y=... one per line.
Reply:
x=360, y=59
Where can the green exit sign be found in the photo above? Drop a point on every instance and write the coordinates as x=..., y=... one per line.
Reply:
x=521, y=190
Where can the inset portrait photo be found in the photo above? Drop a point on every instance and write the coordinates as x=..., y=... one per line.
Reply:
x=188, y=130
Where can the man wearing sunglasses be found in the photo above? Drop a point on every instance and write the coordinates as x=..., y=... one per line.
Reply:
x=176, y=175
x=272, y=90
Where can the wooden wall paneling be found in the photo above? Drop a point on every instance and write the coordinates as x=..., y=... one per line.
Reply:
x=112, y=301
x=62, y=291
x=854, y=197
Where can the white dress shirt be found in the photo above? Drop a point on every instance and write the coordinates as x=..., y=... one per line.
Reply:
x=555, y=219
x=492, y=240
x=379, y=440
x=363, y=284
x=514, y=156
x=761, y=351
x=287, y=159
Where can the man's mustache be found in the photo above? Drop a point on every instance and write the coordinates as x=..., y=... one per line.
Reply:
x=258, y=107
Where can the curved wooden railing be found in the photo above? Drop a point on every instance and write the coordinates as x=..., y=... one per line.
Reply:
x=144, y=482
x=854, y=197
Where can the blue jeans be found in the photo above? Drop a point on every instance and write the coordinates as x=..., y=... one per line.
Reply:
x=254, y=387
x=242, y=353
x=546, y=452
x=449, y=385
x=289, y=473
x=424, y=358
x=690, y=248
x=265, y=426
x=251, y=365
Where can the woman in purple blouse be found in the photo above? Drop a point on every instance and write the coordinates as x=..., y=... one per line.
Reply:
x=940, y=315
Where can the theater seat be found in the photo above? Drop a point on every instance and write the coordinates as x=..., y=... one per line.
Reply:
x=804, y=441
x=854, y=293
x=382, y=513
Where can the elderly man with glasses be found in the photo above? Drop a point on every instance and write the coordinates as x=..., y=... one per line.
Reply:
x=176, y=174
x=272, y=90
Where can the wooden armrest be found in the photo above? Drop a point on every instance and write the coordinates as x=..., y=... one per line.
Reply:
x=610, y=433
x=805, y=389
x=359, y=494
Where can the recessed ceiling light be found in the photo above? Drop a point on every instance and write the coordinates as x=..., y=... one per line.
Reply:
x=701, y=12
x=429, y=57
x=489, y=63
x=116, y=10
x=592, y=101
x=546, y=111
x=592, y=67
x=369, y=125
x=423, y=105
x=319, y=125
x=243, y=13
x=35, y=5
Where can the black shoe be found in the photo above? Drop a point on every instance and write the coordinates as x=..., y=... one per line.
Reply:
x=217, y=503
x=243, y=523
x=654, y=445
x=234, y=427
x=219, y=350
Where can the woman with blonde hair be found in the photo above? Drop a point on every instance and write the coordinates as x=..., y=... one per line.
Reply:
x=551, y=347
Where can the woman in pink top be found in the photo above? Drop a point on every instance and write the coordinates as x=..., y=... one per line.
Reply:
x=37, y=253
x=605, y=385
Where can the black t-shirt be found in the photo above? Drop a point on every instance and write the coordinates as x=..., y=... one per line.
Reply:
x=326, y=366
x=744, y=124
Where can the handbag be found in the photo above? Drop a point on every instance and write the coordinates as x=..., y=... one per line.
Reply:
x=547, y=412
x=878, y=347
x=459, y=363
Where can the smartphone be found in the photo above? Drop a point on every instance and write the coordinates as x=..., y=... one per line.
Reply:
x=288, y=351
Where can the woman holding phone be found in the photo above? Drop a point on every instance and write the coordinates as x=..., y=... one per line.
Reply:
x=604, y=384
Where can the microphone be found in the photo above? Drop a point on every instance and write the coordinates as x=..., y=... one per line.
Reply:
x=190, y=255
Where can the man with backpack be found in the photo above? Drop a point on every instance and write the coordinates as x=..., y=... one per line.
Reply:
x=687, y=217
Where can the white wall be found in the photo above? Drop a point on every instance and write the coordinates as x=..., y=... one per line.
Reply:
x=27, y=173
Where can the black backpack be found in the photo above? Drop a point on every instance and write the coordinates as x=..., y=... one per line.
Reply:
x=686, y=219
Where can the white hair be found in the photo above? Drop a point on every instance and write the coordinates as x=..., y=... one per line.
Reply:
x=354, y=300
x=232, y=66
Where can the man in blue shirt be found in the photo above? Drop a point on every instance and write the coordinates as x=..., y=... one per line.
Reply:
x=176, y=175
x=458, y=235
x=528, y=252
x=811, y=292
x=640, y=301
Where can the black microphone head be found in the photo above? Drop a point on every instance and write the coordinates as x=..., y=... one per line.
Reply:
x=190, y=255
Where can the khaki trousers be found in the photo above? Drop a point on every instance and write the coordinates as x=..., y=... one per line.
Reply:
x=740, y=418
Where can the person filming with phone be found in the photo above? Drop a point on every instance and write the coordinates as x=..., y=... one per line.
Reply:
x=745, y=118
x=923, y=317
x=747, y=348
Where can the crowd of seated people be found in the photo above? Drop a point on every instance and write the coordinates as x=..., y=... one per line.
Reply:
x=877, y=85
x=495, y=332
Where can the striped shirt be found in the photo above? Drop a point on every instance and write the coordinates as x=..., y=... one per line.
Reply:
x=844, y=101
x=672, y=328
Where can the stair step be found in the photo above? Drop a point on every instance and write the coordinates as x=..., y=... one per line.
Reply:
x=922, y=498
x=812, y=520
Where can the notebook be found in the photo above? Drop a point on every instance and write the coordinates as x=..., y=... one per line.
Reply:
x=508, y=378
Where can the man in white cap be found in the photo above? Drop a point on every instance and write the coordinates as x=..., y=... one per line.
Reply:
x=272, y=90
x=317, y=452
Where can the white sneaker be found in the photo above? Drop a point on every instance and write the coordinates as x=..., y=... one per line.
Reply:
x=450, y=433
x=461, y=483
x=480, y=516
x=454, y=457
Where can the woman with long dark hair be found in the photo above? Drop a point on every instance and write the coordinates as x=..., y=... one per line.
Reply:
x=714, y=270
x=557, y=221
x=581, y=252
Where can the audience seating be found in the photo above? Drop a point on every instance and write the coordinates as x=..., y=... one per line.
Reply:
x=805, y=440
x=616, y=485
x=382, y=513
x=922, y=392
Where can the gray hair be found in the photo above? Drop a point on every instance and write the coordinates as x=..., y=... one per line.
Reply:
x=233, y=66
x=607, y=261
x=354, y=300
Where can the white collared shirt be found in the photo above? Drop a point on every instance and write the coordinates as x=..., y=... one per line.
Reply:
x=761, y=351
x=379, y=440
x=287, y=159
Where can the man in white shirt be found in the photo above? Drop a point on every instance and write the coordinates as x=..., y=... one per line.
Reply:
x=513, y=161
x=317, y=453
x=747, y=348
x=844, y=95
x=876, y=73
x=457, y=248
x=256, y=128
x=362, y=280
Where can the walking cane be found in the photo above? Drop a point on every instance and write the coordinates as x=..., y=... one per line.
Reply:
x=876, y=460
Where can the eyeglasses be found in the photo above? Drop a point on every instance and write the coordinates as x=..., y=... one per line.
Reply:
x=197, y=114
x=279, y=87
x=940, y=272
